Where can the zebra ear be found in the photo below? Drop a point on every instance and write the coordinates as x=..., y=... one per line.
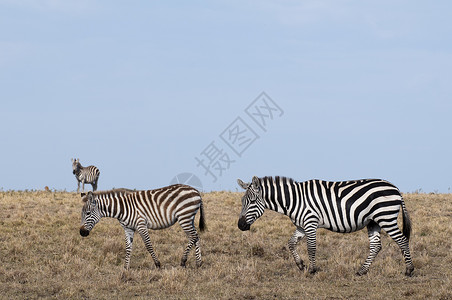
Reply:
x=84, y=198
x=72, y=160
x=242, y=184
x=255, y=182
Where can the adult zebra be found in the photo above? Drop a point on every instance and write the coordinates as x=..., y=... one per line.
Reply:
x=143, y=210
x=84, y=175
x=344, y=206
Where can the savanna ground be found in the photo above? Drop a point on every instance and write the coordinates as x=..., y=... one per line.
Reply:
x=42, y=255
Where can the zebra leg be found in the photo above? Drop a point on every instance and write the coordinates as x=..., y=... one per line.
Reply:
x=129, y=240
x=193, y=239
x=373, y=231
x=401, y=240
x=198, y=253
x=78, y=186
x=147, y=241
x=83, y=186
x=311, y=236
x=94, y=184
x=293, y=241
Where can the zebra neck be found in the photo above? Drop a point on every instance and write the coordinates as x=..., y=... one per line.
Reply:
x=112, y=205
x=106, y=210
x=275, y=205
x=282, y=195
x=78, y=172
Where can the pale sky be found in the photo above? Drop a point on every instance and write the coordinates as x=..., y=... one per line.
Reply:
x=147, y=90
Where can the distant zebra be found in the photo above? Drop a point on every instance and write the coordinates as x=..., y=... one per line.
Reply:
x=84, y=175
x=345, y=206
x=143, y=210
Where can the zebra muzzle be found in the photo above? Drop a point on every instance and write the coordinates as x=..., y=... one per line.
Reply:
x=83, y=231
x=243, y=226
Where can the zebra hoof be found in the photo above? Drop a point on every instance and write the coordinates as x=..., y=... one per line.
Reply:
x=361, y=272
x=157, y=264
x=313, y=270
x=198, y=264
x=300, y=266
x=183, y=262
x=125, y=276
x=409, y=271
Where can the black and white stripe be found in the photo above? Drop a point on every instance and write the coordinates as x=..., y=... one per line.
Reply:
x=345, y=206
x=84, y=175
x=143, y=210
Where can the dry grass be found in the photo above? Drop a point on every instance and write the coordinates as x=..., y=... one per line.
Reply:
x=42, y=255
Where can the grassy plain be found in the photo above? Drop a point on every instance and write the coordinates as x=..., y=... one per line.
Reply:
x=42, y=255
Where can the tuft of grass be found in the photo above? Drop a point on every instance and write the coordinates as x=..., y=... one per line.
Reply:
x=42, y=255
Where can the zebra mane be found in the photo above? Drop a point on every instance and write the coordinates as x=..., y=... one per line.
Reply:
x=276, y=178
x=123, y=190
x=112, y=191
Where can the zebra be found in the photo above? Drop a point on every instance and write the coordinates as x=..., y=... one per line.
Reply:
x=84, y=175
x=143, y=210
x=344, y=207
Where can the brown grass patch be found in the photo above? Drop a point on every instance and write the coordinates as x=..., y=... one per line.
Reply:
x=42, y=255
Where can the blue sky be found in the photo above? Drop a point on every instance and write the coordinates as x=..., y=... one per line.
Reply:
x=142, y=89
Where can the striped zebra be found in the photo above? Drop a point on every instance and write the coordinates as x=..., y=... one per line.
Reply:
x=84, y=175
x=345, y=206
x=143, y=210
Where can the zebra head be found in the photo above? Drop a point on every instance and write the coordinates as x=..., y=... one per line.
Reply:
x=252, y=203
x=75, y=165
x=90, y=213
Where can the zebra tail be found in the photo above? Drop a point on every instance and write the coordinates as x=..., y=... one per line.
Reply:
x=406, y=222
x=202, y=220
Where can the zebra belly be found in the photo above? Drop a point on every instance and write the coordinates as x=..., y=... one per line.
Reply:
x=358, y=226
x=160, y=224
